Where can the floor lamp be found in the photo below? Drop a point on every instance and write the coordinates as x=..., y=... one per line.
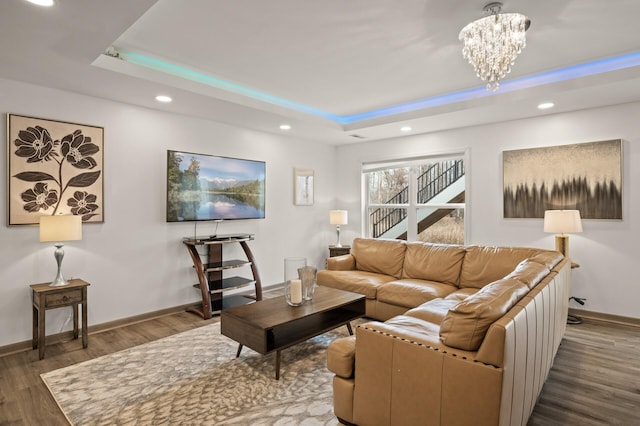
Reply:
x=563, y=222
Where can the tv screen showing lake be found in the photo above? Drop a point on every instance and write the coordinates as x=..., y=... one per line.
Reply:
x=206, y=187
x=218, y=206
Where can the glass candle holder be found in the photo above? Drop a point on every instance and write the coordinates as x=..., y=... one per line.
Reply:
x=291, y=266
x=293, y=292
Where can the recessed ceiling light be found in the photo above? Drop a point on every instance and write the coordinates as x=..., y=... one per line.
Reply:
x=546, y=105
x=285, y=127
x=163, y=98
x=405, y=129
x=46, y=3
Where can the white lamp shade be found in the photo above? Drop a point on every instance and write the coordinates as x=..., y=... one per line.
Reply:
x=338, y=217
x=60, y=228
x=562, y=221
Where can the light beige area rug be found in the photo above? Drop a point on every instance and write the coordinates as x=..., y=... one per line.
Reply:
x=193, y=378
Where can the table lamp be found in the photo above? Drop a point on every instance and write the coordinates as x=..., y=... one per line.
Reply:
x=562, y=222
x=338, y=217
x=60, y=228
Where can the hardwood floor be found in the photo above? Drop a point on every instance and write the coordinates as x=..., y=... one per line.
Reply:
x=595, y=379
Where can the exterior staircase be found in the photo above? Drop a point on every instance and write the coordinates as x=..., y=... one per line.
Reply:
x=442, y=182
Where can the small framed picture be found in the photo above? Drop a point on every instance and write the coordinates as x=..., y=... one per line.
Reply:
x=303, y=187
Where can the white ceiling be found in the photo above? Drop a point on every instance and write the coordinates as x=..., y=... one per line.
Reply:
x=308, y=62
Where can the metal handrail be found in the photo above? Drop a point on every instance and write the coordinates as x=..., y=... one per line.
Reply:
x=433, y=181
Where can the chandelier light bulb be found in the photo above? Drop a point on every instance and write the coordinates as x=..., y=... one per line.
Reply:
x=492, y=43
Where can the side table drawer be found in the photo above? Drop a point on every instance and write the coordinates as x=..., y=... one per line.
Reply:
x=62, y=299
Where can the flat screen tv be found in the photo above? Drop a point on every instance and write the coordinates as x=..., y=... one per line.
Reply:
x=207, y=187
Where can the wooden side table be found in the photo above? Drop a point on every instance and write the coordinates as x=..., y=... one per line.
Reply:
x=48, y=297
x=339, y=251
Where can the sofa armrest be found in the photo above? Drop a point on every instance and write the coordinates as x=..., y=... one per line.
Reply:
x=341, y=356
x=341, y=263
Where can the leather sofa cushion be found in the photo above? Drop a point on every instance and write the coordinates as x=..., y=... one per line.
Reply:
x=466, y=324
x=412, y=293
x=432, y=311
x=380, y=256
x=366, y=283
x=483, y=265
x=433, y=262
x=461, y=294
x=341, y=356
x=341, y=263
x=529, y=273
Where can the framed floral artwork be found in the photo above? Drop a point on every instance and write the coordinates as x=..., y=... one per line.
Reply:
x=54, y=167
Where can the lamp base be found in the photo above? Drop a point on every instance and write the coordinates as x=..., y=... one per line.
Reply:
x=562, y=244
x=59, y=279
x=338, y=243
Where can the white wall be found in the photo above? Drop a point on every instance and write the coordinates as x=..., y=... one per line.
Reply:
x=607, y=250
x=135, y=261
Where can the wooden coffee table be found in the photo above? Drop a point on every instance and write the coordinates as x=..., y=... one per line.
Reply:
x=272, y=325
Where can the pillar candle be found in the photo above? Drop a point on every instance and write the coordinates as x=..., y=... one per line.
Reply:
x=296, y=291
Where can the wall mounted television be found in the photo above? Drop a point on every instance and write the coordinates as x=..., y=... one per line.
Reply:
x=207, y=187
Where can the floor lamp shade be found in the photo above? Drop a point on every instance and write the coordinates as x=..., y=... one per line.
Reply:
x=60, y=228
x=562, y=222
x=338, y=217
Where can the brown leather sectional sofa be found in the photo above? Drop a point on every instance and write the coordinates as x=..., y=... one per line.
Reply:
x=469, y=336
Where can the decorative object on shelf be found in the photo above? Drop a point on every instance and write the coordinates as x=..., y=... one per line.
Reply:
x=338, y=217
x=492, y=43
x=293, y=292
x=54, y=167
x=585, y=177
x=303, y=187
x=562, y=222
x=60, y=228
x=308, y=277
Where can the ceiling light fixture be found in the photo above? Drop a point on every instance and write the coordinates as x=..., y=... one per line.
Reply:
x=285, y=127
x=492, y=43
x=546, y=105
x=405, y=129
x=164, y=99
x=46, y=3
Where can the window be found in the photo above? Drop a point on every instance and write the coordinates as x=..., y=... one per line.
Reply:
x=419, y=199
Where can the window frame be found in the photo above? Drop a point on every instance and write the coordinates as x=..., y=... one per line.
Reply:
x=413, y=206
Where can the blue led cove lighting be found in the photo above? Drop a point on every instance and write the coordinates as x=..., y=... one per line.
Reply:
x=562, y=74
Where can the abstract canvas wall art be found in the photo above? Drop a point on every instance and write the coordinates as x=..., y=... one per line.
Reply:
x=585, y=176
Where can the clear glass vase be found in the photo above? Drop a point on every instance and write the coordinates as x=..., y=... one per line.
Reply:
x=291, y=266
x=308, y=277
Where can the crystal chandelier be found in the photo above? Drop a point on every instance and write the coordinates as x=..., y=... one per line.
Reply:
x=492, y=43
